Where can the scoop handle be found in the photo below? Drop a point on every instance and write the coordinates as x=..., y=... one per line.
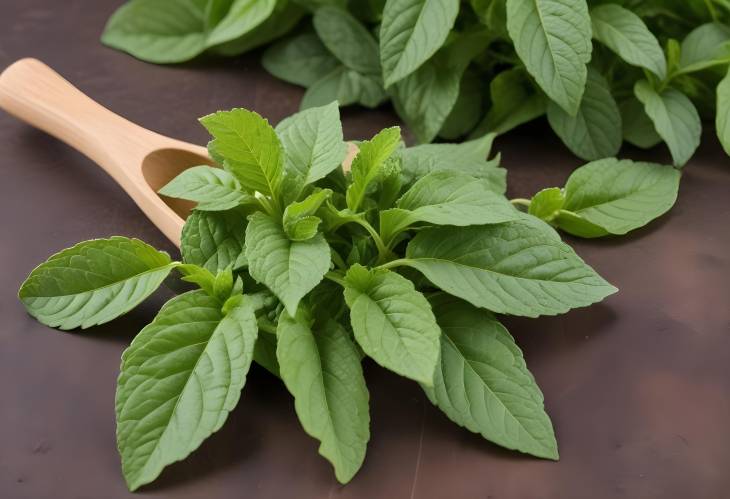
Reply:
x=36, y=94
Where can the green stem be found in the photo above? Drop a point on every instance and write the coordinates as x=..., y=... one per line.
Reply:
x=335, y=277
x=711, y=8
x=520, y=202
x=382, y=248
x=394, y=263
x=339, y=262
x=266, y=326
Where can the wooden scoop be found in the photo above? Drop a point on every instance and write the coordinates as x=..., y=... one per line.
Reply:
x=140, y=160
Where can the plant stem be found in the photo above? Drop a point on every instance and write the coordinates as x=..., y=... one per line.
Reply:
x=712, y=10
x=393, y=263
x=266, y=326
x=382, y=248
x=335, y=277
x=520, y=202
x=339, y=262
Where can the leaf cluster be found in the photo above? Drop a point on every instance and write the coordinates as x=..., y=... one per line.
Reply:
x=306, y=268
x=603, y=72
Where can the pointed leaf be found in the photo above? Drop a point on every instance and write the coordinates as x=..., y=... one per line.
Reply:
x=620, y=195
x=368, y=164
x=411, y=32
x=313, y=142
x=250, y=147
x=242, y=17
x=180, y=378
x=347, y=39
x=509, y=268
x=595, y=131
x=301, y=60
x=214, y=240
x=213, y=189
x=290, y=269
x=321, y=368
x=393, y=322
x=553, y=39
x=482, y=382
x=675, y=119
x=94, y=282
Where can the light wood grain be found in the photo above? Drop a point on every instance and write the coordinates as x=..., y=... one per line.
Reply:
x=140, y=160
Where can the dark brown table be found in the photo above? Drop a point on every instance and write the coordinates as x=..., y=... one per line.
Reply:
x=638, y=387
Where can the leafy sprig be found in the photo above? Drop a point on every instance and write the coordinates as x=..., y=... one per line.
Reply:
x=305, y=268
x=603, y=72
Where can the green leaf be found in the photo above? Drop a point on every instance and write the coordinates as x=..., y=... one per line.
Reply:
x=467, y=110
x=301, y=59
x=199, y=276
x=626, y=34
x=290, y=269
x=214, y=240
x=553, y=39
x=252, y=151
x=94, y=282
x=320, y=366
x=675, y=119
x=264, y=353
x=482, y=382
x=285, y=17
x=347, y=39
x=446, y=198
x=299, y=222
x=242, y=17
x=595, y=130
x=514, y=102
x=722, y=120
x=510, y=268
x=620, y=195
x=180, y=378
x=159, y=32
x=393, y=322
x=425, y=98
x=313, y=142
x=346, y=87
x=637, y=126
x=213, y=189
x=411, y=32
x=546, y=204
x=368, y=164
x=469, y=158
x=705, y=46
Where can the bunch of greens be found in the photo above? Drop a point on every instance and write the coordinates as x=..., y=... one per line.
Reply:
x=643, y=71
x=306, y=269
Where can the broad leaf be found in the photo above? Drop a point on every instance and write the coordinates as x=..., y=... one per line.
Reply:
x=290, y=269
x=393, y=322
x=706, y=46
x=313, y=142
x=482, y=382
x=94, y=282
x=411, y=32
x=242, y=17
x=638, y=128
x=595, y=131
x=514, y=102
x=469, y=158
x=553, y=39
x=345, y=86
x=368, y=164
x=250, y=147
x=320, y=366
x=159, y=32
x=347, y=39
x=722, y=121
x=447, y=198
x=214, y=240
x=213, y=189
x=620, y=195
x=425, y=98
x=626, y=34
x=301, y=60
x=509, y=268
x=546, y=204
x=180, y=378
x=467, y=110
x=675, y=119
